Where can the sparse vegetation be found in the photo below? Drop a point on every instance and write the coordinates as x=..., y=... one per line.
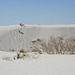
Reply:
x=22, y=51
x=20, y=54
x=6, y=58
x=55, y=45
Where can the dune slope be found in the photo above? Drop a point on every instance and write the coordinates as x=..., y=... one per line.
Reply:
x=15, y=37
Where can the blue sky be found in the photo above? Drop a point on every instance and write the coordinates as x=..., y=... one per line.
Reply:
x=45, y=12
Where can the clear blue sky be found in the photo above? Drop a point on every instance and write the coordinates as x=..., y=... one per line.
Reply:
x=48, y=12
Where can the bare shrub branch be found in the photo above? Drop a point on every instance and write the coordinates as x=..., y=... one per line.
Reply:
x=55, y=45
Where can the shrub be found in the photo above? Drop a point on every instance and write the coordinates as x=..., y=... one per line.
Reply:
x=18, y=55
x=55, y=45
x=22, y=51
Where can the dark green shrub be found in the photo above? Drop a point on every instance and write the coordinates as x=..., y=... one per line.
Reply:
x=22, y=51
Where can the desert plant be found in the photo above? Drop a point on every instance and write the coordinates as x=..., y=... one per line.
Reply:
x=22, y=51
x=35, y=46
x=55, y=45
x=18, y=55
x=39, y=40
x=70, y=45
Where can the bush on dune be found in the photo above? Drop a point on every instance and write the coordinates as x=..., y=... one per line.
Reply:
x=20, y=54
x=55, y=45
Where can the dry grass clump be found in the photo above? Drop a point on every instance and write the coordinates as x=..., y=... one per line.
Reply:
x=37, y=50
x=20, y=54
x=7, y=58
x=22, y=51
x=26, y=54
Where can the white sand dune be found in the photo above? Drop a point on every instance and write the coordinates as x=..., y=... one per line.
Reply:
x=44, y=65
x=10, y=38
